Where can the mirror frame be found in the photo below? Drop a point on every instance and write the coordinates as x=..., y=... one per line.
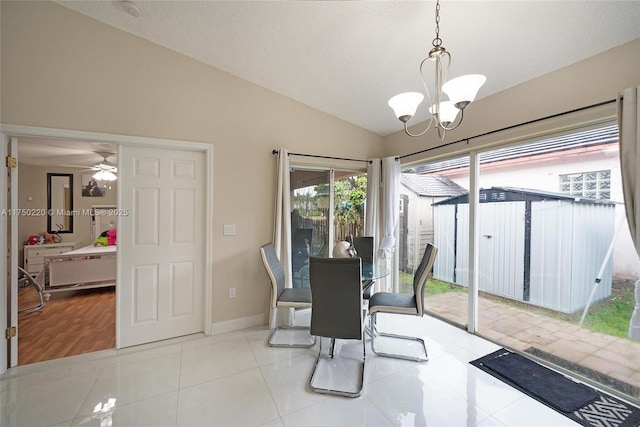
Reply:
x=49, y=208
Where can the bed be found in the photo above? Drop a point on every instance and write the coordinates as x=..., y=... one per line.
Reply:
x=84, y=268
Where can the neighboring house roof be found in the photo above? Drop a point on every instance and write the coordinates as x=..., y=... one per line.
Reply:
x=510, y=194
x=570, y=141
x=431, y=185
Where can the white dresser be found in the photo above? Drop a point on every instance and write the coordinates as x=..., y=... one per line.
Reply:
x=34, y=254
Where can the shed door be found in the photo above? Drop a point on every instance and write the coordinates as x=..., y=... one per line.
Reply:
x=501, y=249
x=160, y=244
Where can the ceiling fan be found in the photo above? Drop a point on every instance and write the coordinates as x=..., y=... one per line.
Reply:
x=104, y=171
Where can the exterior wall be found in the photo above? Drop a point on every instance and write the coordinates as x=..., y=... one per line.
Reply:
x=419, y=218
x=419, y=223
x=544, y=175
x=444, y=240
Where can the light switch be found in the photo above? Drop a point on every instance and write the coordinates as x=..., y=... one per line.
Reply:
x=229, y=229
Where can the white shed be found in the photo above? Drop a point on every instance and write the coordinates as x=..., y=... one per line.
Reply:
x=417, y=195
x=538, y=247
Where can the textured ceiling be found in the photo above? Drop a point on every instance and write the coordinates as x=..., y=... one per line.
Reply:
x=347, y=58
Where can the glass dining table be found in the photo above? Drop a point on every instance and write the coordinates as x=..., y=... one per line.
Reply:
x=370, y=273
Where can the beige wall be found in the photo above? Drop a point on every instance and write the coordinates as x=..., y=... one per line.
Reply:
x=32, y=184
x=585, y=83
x=60, y=69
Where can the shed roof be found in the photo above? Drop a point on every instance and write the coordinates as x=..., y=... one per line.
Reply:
x=431, y=185
x=511, y=194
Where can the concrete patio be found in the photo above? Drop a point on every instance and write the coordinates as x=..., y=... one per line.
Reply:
x=612, y=361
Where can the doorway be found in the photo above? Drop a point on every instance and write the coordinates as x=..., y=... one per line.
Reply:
x=206, y=151
x=76, y=318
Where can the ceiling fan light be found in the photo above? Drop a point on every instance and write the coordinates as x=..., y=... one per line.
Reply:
x=447, y=112
x=405, y=104
x=463, y=90
x=104, y=176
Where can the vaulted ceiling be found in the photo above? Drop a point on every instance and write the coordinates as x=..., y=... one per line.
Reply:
x=347, y=58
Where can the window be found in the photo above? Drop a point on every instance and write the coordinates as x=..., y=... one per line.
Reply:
x=595, y=185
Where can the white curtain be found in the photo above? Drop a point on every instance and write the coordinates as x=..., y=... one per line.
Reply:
x=282, y=229
x=390, y=205
x=629, y=124
x=282, y=232
x=372, y=215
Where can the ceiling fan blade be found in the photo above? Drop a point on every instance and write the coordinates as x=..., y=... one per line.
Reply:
x=75, y=166
x=85, y=168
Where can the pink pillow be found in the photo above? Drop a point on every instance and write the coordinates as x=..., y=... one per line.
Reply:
x=111, y=237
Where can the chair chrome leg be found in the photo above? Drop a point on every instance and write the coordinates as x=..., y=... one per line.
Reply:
x=336, y=392
x=310, y=343
x=373, y=331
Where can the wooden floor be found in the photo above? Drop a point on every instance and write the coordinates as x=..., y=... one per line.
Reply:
x=71, y=323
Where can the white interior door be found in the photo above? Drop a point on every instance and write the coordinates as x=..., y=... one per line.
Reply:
x=161, y=244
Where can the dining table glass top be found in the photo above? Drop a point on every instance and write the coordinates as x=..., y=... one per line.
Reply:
x=369, y=271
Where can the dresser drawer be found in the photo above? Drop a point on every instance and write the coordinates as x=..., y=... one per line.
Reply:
x=34, y=255
x=37, y=256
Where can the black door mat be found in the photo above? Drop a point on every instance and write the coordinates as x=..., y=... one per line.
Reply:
x=577, y=401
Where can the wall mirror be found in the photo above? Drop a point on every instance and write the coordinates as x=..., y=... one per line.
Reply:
x=59, y=203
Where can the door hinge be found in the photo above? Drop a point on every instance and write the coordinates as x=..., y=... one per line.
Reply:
x=10, y=332
x=12, y=162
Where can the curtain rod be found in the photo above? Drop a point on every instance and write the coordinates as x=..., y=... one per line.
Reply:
x=510, y=127
x=323, y=157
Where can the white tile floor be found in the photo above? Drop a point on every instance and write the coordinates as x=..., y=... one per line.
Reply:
x=235, y=379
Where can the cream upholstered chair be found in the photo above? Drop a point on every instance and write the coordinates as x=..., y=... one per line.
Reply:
x=394, y=303
x=336, y=291
x=284, y=297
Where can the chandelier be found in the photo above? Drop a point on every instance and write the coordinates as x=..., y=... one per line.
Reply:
x=461, y=91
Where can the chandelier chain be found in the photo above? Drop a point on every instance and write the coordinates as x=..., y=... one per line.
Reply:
x=437, y=41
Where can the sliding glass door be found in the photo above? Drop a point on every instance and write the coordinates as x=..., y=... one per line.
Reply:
x=327, y=205
x=557, y=264
x=429, y=214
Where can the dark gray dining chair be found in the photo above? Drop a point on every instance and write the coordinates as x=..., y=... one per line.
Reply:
x=336, y=313
x=284, y=297
x=364, y=247
x=395, y=303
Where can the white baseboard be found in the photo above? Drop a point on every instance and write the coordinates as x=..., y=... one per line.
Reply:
x=238, y=324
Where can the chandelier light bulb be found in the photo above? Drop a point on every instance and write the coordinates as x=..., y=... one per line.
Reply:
x=404, y=105
x=463, y=90
x=446, y=113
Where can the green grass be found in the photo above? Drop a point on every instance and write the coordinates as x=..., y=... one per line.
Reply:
x=433, y=287
x=610, y=317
